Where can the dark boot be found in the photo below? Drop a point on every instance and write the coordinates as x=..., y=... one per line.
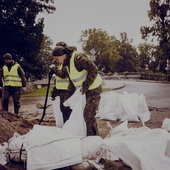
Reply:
x=16, y=110
x=5, y=104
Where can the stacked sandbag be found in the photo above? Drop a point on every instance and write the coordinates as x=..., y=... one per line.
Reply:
x=3, y=153
x=16, y=149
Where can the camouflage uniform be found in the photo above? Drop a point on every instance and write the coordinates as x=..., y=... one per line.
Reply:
x=64, y=95
x=82, y=62
x=12, y=90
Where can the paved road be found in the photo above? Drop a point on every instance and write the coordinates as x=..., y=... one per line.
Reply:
x=156, y=94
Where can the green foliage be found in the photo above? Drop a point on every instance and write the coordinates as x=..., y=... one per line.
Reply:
x=147, y=56
x=111, y=55
x=106, y=54
x=159, y=13
x=21, y=33
x=128, y=56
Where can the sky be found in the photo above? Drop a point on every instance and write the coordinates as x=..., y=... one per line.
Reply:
x=113, y=16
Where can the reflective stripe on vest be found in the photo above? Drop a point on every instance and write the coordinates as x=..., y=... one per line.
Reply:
x=61, y=84
x=79, y=77
x=11, y=78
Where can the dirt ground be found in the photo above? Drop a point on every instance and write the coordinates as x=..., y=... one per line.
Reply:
x=10, y=123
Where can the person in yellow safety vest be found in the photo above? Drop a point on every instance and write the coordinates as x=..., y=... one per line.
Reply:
x=13, y=82
x=82, y=72
x=61, y=88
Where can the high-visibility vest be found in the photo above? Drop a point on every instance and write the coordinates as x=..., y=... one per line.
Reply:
x=11, y=78
x=78, y=77
x=61, y=83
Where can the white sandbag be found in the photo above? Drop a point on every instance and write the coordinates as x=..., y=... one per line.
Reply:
x=3, y=153
x=91, y=147
x=51, y=148
x=16, y=148
x=167, y=151
x=141, y=149
x=126, y=106
x=110, y=107
x=72, y=101
x=130, y=104
x=92, y=152
x=166, y=124
x=57, y=112
x=142, y=110
x=76, y=124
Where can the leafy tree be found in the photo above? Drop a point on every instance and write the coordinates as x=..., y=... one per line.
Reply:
x=147, y=56
x=111, y=55
x=159, y=13
x=128, y=55
x=106, y=54
x=21, y=33
x=44, y=57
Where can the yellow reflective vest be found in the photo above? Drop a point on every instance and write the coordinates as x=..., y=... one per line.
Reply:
x=11, y=78
x=78, y=77
x=61, y=84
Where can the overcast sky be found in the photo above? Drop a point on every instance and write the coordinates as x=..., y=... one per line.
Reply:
x=114, y=16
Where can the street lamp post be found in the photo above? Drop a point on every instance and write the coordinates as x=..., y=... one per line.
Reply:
x=93, y=52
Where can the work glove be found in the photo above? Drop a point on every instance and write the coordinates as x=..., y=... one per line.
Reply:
x=52, y=70
x=84, y=88
x=24, y=89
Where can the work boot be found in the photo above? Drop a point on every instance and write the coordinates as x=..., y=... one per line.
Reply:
x=16, y=110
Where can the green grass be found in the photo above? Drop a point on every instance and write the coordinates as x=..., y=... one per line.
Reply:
x=42, y=92
x=37, y=92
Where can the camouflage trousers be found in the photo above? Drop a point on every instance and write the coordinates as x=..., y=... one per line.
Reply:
x=92, y=104
x=15, y=93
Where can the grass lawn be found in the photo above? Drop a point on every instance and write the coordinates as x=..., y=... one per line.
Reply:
x=42, y=92
x=37, y=92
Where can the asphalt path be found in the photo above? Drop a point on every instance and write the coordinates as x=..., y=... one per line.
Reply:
x=157, y=95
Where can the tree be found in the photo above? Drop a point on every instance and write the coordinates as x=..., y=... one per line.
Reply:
x=147, y=56
x=21, y=33
x=44, y=56
x=128, y=55
x=106, y=54
x=159, y=13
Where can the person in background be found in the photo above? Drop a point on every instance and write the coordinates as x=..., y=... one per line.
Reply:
x=61, y=88
x=13, y=80
x=82, y=72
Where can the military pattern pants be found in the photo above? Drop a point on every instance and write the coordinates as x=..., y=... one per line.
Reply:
x=91, y=107
x=15, y=93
